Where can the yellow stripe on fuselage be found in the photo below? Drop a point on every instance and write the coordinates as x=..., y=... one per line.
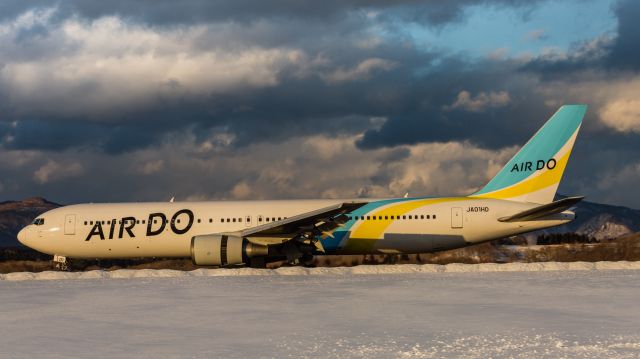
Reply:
x=374, y=229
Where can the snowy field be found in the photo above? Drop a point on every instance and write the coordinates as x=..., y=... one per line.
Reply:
x=548, y=310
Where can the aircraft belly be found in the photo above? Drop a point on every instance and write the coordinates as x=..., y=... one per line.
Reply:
x=403, y=243
x=128, y=248
x=415, y=243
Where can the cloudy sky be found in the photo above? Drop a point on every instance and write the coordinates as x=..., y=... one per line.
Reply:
x=136, y=101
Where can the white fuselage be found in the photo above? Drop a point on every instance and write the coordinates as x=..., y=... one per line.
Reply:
x=382, y=226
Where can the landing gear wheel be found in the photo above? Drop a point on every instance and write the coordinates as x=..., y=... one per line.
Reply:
x=60, y=263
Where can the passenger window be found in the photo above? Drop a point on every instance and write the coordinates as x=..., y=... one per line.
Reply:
x=404, y=217
x=260, y=219
x=410, y=217
x=210, y=220
x=434, y=216
x=422, y=216
x=240, y=220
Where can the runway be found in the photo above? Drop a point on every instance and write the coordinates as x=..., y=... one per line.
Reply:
x=472, y=314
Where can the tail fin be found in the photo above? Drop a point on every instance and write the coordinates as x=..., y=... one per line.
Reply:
x=534, y=173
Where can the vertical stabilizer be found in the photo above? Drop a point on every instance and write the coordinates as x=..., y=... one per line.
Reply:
x=534, y=173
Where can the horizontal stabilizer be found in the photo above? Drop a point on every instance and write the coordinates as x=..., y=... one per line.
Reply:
x=544, y=210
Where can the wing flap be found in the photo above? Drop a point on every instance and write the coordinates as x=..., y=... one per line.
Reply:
x=543, y=211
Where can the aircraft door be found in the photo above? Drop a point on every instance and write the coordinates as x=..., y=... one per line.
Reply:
x=456, y=217
x=247, y=221
x=70, y=224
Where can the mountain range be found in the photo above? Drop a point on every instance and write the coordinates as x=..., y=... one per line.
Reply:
x=599, y=221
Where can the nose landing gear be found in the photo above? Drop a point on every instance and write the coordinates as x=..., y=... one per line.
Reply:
x=60, y=263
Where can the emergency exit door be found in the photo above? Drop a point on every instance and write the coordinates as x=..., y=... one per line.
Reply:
x=70, y=224
x=456, y=217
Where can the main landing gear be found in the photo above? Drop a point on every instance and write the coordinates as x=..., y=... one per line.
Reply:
x=60, y=263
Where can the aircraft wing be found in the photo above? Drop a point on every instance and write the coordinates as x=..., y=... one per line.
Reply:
x=322, y=221
x=542, y=211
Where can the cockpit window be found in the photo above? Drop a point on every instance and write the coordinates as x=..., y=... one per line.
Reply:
x=38, y=221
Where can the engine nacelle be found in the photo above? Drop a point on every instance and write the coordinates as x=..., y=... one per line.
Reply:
x=223, y=249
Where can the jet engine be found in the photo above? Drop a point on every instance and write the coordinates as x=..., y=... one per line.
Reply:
x=223, y=249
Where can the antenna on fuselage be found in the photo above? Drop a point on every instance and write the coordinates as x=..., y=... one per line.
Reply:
x=172, y=199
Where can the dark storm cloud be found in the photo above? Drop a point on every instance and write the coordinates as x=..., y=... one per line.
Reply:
x=63, y=135
x=48, y=135
x=166, y=12
x=625, y=52
x=242, y=96
x=412, y=94
x=297, y=105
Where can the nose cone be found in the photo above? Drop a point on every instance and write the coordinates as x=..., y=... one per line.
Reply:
x=22, y=236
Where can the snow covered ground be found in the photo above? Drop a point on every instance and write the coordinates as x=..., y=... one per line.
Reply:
x=362, y=312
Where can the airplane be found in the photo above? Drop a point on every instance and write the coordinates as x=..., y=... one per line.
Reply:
x=518, y=199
